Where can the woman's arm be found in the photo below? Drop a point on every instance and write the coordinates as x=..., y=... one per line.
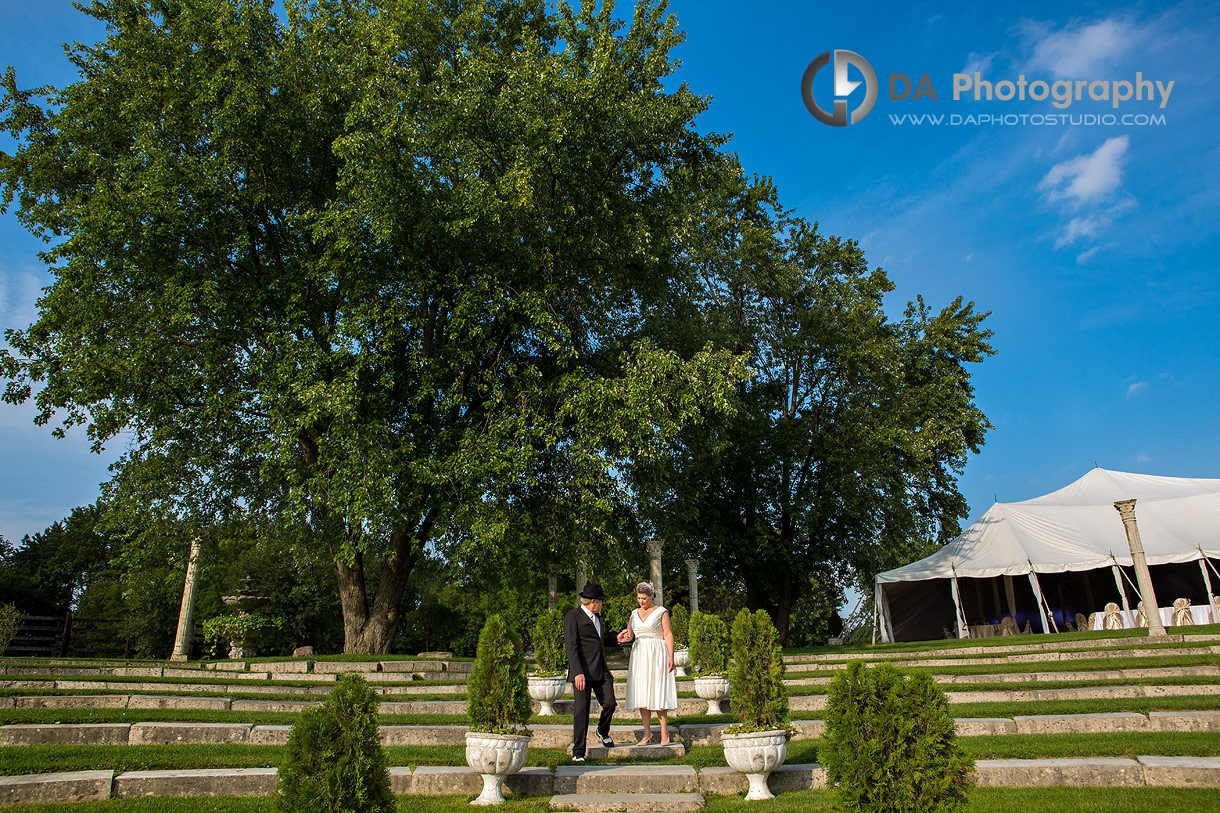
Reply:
x=668, y=632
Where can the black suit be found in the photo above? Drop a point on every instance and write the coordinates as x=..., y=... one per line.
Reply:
x=587, y=656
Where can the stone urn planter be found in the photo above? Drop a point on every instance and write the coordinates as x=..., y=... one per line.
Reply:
x=756, y=755
x=713, y=689
x=681, y=661
x=496, y=757
x=546, y=689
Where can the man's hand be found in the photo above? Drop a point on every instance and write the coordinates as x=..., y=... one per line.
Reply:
x=625, y=636
x=579, y=683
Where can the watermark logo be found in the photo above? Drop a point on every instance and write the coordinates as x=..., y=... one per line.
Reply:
x=843, y=88
x=1125, y=96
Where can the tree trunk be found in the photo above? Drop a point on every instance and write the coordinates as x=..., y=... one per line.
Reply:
x=783, y=611
x=370, y=629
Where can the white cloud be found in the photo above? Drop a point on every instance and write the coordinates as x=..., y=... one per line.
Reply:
x=977, y=63
x=1088, y=186
x=1143, y=458
x=1137, y=389
x=1085, y=256
x=1088, y=178
x=1080, y=52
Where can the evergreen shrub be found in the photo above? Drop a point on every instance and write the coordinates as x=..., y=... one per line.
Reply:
x=709, y=644
x=889, y=743
x=549, y=652
x=617, y=611
x=757, y=675
x=679, y=622
x=10, y=622
x=497, y=693
x=334, y=761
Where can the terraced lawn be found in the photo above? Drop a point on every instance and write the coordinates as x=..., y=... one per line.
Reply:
x=32, y=759
x=981, y=800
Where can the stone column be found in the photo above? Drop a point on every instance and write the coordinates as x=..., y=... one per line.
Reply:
x=186, y=614
x=654, y=567
x=692, y=573
x=552, y=587
x=582, y=577
x=1126, y=509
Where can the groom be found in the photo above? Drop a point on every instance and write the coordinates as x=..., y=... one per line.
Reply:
x=585, y=637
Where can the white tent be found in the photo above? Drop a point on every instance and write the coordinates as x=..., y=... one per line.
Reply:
x=1074, y=531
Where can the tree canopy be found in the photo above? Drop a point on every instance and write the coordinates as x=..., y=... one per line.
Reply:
x=464, y=277
x=370, y=264
x=841, y=453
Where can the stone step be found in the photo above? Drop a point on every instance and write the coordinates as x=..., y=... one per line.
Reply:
x=48, y=788
x=1033, y=645
x=675, y=750
x=686, y=705
x=560, y=736
x=628, y=802
x=202, y=782
x=269, y=683
x=260, y=670
x=593, y=778
x=620, y=781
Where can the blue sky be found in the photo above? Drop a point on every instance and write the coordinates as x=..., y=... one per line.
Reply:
x=1094, y=246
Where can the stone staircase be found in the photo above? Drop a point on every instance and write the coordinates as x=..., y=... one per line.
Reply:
x=1021, y=672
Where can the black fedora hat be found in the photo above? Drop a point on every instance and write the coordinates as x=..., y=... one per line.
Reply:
x=593, y=591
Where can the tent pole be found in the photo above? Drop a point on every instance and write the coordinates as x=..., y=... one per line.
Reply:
x=963, y=631
x=887, y=623
x=995, y=594
x=1207, y=582
x=1118, y=579
x=876, y=613
x=1044, y=609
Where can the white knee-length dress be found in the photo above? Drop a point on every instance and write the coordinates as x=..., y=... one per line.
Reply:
x=650, y=683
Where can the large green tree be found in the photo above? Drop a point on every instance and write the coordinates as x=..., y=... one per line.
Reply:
x=844, y=447
x=366, y=264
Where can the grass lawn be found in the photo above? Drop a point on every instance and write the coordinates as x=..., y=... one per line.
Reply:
x=941, y=644
x=796, y=671
x=18, y=760
x=982, y=800
x=1142, y=705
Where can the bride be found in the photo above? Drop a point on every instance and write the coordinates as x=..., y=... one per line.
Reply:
x=650, y=676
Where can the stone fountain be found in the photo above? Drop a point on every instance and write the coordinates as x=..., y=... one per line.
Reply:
x=245, y=601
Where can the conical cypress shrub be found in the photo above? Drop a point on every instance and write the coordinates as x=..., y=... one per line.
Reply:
x=497, y=693
x=334, y=761
x=760, y=701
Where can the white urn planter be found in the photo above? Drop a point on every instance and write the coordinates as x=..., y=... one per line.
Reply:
x=713, y=689
x=546, y=690
x=756, y=755
x=681, y=661
x=495, y=756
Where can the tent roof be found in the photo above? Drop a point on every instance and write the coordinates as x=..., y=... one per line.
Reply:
x=1078, y=528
